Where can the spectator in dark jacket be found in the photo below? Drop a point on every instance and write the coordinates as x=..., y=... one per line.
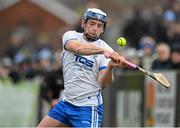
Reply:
x=175, y=56
x=52, y=86
x=163, y=61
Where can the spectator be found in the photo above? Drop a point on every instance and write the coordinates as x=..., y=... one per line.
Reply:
x=171, y=18
x=135, y=29
x=45, y=55
x=172, y=13
x=5, y=64
x=52, y=85
x=147, y=47
x=133, y=56
x=16, y=41
x=175, y=56
x=163, y=57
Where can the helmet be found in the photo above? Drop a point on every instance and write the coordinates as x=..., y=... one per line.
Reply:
x=97, y=14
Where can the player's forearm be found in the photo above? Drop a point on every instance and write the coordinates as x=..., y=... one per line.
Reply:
x=84, y=48
x=106, y=78
x=89, y=49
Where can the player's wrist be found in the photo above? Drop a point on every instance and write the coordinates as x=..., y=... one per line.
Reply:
x=110, y=66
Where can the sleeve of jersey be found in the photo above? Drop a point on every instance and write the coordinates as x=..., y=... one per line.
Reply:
x=104, y=61
x=70, y=35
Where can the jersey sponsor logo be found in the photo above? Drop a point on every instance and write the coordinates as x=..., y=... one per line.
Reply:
x=84, y=61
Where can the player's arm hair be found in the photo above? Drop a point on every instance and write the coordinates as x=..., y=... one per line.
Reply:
x=106, y=77
x=84, y=48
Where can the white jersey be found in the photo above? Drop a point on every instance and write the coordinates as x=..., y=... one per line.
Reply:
x=81, y=73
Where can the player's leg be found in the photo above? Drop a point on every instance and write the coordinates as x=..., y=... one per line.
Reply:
x=56, y=117
x=50, y=122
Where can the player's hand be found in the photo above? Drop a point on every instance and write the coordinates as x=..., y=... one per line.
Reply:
x=116, y=59
x=112, y=55
x=120, y=62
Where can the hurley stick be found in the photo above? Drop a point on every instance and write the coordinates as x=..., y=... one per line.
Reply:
x=156, y=76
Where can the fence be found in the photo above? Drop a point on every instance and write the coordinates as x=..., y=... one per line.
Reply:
x=136, y=100
x=19, y=103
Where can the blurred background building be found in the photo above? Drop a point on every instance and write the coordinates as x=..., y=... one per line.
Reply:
x=30, y=48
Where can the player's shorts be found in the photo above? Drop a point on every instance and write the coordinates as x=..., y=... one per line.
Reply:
x=75, y=116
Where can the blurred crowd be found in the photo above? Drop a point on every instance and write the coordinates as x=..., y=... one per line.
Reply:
x=26, y=58
x=32, y=57
x=153, y=34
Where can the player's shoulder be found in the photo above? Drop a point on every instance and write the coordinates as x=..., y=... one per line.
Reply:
x=69, y=35
x=104, y=44
x=71, y=32
x=102, y=41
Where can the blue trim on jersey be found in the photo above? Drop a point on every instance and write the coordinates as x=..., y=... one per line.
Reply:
x=77, y=116
x=103, y=67
x=68, y=41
